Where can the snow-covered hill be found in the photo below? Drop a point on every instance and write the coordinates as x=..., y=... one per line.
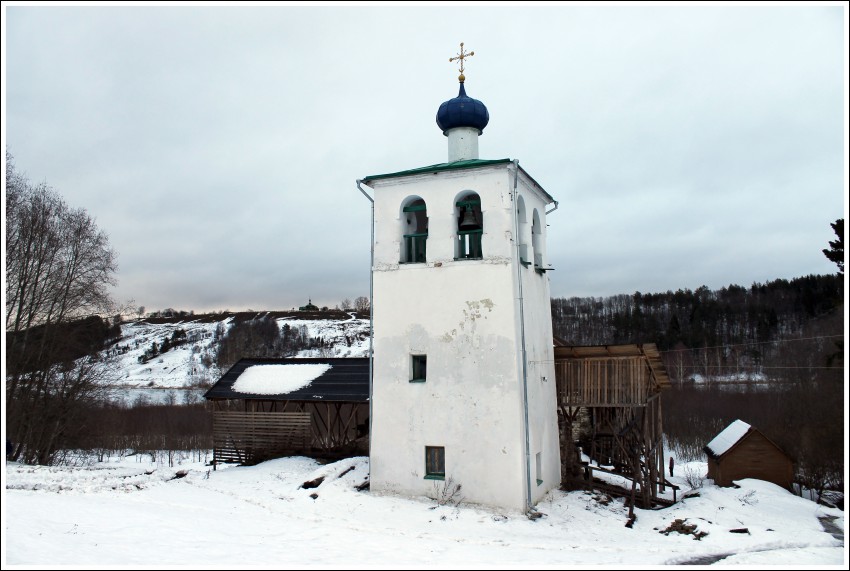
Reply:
x=189, y=364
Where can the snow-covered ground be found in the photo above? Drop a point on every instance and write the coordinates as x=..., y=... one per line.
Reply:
x=733, y=381
x=133, y=511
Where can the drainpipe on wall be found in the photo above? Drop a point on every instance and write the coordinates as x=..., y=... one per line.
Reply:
x=528, y=504
x=371, y=313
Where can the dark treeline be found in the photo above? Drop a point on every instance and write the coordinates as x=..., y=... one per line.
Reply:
x=750, y=320
x=260, y=337
x=804, y=419
x=113, y=429
x=68, y=341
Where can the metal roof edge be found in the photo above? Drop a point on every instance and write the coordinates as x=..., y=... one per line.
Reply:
x=537, y=184
x=439, y=167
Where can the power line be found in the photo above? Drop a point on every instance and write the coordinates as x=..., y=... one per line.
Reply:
x=754, y=369
x=735, y=345
x=758, y=368
x=754, y=343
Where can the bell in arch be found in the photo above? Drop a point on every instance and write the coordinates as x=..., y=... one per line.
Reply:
x=468, y=221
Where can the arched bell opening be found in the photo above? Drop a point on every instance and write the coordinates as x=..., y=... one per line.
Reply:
x=522, y=233
x=414, y=221
x=537, y=240
x=470, y=227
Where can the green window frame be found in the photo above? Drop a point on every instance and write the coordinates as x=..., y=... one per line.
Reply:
x=418, y=368
x=469, y=245
x=469, y=241
x=413, y=245
x=435, y=463
x=414, y=248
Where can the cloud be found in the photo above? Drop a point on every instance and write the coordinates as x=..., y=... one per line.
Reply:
x=218, y=146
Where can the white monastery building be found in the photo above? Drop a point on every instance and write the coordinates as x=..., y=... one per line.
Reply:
x=463, y=379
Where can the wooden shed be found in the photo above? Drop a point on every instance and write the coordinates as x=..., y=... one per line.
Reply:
x=265, y=408
x=609, y=407
x=742, y=451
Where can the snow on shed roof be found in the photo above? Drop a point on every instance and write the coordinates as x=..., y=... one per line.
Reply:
x=727, y=438
x=278, y=379
x=306, y=379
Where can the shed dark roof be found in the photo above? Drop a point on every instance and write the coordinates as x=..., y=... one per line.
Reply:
x=346, y=381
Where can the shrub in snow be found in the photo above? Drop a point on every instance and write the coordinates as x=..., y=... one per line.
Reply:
x=694, y=477
x=448, y=493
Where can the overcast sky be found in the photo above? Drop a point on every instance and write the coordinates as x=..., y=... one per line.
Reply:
x=218, y=146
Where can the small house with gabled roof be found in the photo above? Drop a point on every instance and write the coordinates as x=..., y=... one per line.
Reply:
x=742, y=451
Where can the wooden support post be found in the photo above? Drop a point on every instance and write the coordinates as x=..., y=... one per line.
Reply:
x=323, y=425
x=351, y=416
x=661, y=450
x=632, y=506
x=334, y=422
x=330, y=433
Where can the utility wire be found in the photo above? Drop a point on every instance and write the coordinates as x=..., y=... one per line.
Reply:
x=787, y=340
x=755, y=367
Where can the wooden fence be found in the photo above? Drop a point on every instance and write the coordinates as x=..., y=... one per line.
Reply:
x=247, y=437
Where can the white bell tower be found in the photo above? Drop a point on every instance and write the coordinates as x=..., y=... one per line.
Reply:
x=463, y=385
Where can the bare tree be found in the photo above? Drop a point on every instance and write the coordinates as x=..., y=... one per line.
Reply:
x=678, y=362
x=59, y=266
x=345, y=304
x=361, y=303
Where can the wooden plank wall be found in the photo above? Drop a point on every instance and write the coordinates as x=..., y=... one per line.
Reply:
x=334, y=423
x=610, y=381
x=753, y=457
x=249, y=436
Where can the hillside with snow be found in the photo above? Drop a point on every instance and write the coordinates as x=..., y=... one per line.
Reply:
x=188, y=362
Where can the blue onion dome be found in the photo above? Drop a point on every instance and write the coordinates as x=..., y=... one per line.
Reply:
x=462, y=111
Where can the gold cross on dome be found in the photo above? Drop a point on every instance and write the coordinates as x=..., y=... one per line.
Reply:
x=460, y=57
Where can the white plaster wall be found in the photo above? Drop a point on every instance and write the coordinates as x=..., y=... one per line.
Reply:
x=542, y=397
x=462, y=319
x=464, y=316
x=463, y=143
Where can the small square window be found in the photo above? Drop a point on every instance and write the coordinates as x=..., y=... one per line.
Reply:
x=418, y=364
x=435, y=463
